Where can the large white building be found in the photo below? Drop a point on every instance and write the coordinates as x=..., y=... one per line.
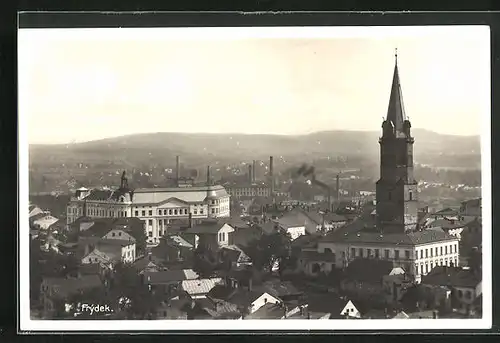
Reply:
x=157, y=207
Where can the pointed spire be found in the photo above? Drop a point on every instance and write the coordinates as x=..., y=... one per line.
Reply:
x=396, y=111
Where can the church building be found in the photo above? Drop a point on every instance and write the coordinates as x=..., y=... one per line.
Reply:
x=391, y=232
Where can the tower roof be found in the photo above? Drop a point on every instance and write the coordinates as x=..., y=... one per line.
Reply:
x=396, y=111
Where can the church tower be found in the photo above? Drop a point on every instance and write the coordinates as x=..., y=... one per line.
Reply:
x=397, y=201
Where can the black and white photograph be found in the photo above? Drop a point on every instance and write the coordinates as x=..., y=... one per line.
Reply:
x=176, y=177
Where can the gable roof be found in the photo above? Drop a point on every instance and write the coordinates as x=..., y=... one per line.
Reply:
x=200, y=286
x=195, y=194
x=327, y=303
x=207, y=227
x=446, y=212
x=268, y=311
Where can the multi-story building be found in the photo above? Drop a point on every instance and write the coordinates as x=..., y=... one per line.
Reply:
x=391, y=232
x=157, y=207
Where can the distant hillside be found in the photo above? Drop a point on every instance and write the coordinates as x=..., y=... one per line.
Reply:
x=150, y=148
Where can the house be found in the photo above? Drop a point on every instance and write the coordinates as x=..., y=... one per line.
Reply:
x=472, y=207
x=210, y=233
x=453, y=227
x=116, y=249
x=314, y=263
x=395, y=285
x=364, y=278
x=167, y=281
x=236, y=256
x=147, y=264
x=465, y=286
x=292, y=225
x=338, y=307
x=99, y=258
x=56, y=292
x=446, y=213
x=246, y=299
x=173, y=249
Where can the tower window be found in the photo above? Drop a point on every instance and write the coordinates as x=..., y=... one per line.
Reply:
x=411, y=196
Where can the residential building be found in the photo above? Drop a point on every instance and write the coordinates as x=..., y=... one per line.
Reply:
x=167, y=281
x=472, y=207
x=465, y=286
x=210, y=233
x=338, y=307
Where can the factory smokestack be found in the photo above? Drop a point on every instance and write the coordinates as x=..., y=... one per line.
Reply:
x=271, y=174
x=208, y=176
x=250, y=177
x=253, y=171
x=177, y=168
x=337, y=189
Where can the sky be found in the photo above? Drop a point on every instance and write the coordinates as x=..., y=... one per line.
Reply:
x=84, y=84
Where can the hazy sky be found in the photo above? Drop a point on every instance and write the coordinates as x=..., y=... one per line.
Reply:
x=79, y=85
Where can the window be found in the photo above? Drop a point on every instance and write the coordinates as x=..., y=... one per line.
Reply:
x=150, y=212
x=411, y=196
x=119, y=233
x=213, y=210
x=201, y=211
x=396, y=254
x=456, y=246
x=441, y=250
x=175, y=212
x=185, y=211
x=195, y=211
x=143, y=213
x=361, y=252
x=386, y=252
x=369, y=252
x=446, y=250
x=421, y=253
x=426, y=253
x=150, y=234
x=353, y=252
x=459, y=294
x=421, y=269
x=377, y=253
x=150, y=222
x=407, y=254
x=113, y=234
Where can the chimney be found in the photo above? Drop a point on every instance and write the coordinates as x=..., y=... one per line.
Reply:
x=337, y=189
x=190, y=220
x=177, y=169
x=250, y=177
x=253, y=171
x=208, y=176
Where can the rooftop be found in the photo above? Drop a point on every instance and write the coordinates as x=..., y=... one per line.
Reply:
x=268, y=311
x=452, y=277
x=368, y=270
x=209, y=226
x=168, y=276
x=200, y=286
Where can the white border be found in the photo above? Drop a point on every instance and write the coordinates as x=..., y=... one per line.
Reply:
x=266, y=325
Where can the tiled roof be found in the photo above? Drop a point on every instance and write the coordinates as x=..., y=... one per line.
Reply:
x=268, y=311
x=328, y=303
x=200, y=286
x=105, y=257
x=235, y=254
x=187, y=194
x=235, y=222
x=99, y=195
x=280, y=288
x=452, y=277
x=146, y=262
x=207, y=227
x=368, y=270
x=315, y=256
x=45, y=222
x=168, y=276
x=405, y=239
x=178, y=241
x=116, y=242
x=112, y=251
x=448, y=224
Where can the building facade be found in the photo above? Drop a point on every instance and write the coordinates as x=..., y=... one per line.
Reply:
x=157, y=207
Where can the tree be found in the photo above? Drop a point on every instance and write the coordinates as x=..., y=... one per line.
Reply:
x=268, y=250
